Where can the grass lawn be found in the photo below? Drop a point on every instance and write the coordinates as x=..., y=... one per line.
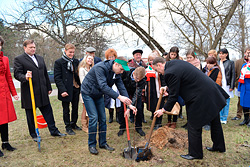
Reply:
x=73, y=150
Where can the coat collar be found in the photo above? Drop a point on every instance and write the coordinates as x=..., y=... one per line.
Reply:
x=30, y=60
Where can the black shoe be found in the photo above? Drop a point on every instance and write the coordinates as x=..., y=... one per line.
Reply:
x=120, y=133
x=185, y=126
x=144, y=121
x=189, y=157
x=93, y=150
x=1, y=154
x=110, y=120
x=8, y=147
x=59, y=134
x=132, y=120
x=206, y=127
x=235, y=118
x=140, y=131
x=245, y=121
x=106, y=147
x=70, y=132
x=76, y=127
x=212, y=149
x=181, y=117
x=157, y=126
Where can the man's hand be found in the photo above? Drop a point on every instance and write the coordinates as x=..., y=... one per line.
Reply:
x=124, y=99
x=163, y=91
x=64, y=94
x=158, y=113
x=133, y=108
x=16, y=97
x=49, y=92
x=28, y=75
x=126, y=114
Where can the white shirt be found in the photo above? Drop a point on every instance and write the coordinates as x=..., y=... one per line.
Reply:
x=34, y=59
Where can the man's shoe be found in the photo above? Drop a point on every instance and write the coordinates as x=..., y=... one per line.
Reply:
x=76, y=127
x=244, y=122
x=1, y=154
x=132, y=120
x=59, y=134
x=106, y=147
x=8, y=147
x=140, y=131
x=189, y=157
x=70, y=132
x=206, y=127
x=120, y=133
x=93, y=150
x=235, y=118
x=212, y=149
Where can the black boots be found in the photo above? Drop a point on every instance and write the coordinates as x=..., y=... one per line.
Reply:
x=1, y=154
x=111, y=114
x=8, y=147
x=246, y=119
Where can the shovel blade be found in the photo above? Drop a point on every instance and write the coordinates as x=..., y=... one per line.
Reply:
x=130, y=153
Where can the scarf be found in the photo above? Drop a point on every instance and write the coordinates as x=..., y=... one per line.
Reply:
x=244, y=73
x=2, y=67
x=70, y=62
x=196, y=62
x=150, y=72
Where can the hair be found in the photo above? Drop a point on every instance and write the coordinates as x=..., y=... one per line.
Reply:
x=69, y=46
x=1, y=40
x=83, y=63
x=247, y=48
x=214, y=52
x=212, y=60
x=27, y=42
x=224, y=50
x=110, y=52
x=175, y=50
x=159, y=60
x=152, y=55
x=140, y=72
x=191, y=52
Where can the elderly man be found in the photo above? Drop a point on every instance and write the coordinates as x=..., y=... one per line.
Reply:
x=203, y=98
x=137, y=61
x=98, y=82
x=91, y=51
x=29, y=65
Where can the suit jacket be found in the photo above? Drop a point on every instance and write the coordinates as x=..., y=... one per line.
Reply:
x=64, y=78
x=40, y=80
x=203, y=97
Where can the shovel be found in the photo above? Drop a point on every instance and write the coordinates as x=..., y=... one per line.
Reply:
x=129, y=152
x=145, y=153
x=34, y=113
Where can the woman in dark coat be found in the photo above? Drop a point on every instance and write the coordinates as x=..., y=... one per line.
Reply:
x=7, y=112
x=203, y=98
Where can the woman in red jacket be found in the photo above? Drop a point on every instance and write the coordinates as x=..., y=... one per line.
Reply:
x=7, y=112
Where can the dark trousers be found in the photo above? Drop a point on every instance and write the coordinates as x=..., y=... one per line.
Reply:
x=4, y=132
x=195, y=138
x=48, y=116
x=138, y=117
x=74, y=112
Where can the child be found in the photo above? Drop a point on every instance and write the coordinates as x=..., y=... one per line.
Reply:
x=134, y=81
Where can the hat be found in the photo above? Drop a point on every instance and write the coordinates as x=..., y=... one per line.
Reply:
x=123, y=63
x=137, y=51
x=90, y=49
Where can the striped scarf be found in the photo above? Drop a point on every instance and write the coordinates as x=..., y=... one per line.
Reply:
x=70, y=62
x=244, y=73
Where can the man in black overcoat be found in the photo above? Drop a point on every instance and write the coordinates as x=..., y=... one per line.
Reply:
x=31, y=65
x=68, y=84
x=203, y=98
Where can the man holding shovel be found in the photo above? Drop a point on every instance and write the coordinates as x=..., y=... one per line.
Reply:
x=98, y=82
x=203, y=98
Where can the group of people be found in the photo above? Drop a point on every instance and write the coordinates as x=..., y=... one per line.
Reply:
x=117, y=83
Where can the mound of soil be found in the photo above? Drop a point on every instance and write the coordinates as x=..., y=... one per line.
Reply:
x=166, y=137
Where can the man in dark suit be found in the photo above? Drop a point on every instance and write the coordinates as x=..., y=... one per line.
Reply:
x=68, y=84
x=203, y=98
x=30, y=65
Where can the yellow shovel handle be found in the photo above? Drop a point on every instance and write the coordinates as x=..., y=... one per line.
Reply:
x=33, y=102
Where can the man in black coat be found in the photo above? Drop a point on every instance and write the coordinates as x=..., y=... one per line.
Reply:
x=203, y=98
x=99, y=81
x=30, y=65
x=67, y=82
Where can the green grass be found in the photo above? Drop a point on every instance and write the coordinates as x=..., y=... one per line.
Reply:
x=73, y=150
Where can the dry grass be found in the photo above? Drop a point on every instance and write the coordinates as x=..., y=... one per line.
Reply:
x=73, y=150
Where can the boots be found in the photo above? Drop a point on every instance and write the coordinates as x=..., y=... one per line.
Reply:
x=173, y=125
x=8, y=147
x=246, y=120
x=1, y=154
x=111, y=114
x=168, y=124
x=117, y=110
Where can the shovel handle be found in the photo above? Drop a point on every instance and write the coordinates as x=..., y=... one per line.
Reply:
x=126, y=121
x=154, y=120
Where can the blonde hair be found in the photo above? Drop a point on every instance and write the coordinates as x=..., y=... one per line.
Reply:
x=69, y=46
x=110, y=52
x=83, y=64
x=140, y=72
x=213, y=52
